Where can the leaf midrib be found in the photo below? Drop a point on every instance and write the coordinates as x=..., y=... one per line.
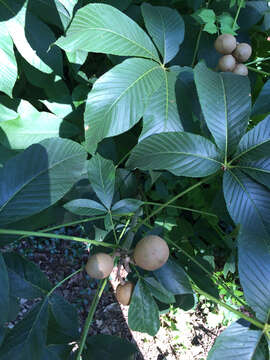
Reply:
x=250, y=149
x=153, y=56
x=130, y=86
x=187, y=154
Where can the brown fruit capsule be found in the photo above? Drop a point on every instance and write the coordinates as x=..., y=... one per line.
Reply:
x=227, y=63
x=151, y=253
x=241, y=69
x=225, y=44
x=99, y=266
x=124, y=293
x=242, y=52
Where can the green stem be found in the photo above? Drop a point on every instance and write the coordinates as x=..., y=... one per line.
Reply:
x=112, y=223
x=56, y=236
x=182, y=208
x=90, y=316
x=258, y=71
x=237, y=14
x=62, y=281
x=197, y=46
x=253, y=321
x=257, y=61
x=144, y=221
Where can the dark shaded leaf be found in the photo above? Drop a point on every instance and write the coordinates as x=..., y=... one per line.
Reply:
x=37, y=178
x=254, y=272
x=101, y=174
x=25, y=278
x=143, y=313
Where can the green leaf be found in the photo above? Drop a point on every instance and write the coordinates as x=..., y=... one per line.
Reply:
x=126, y=206
x=28, y=338
x=262, y=105
x=255, y=144
x=31, y=126
x=161, y=115
x=159, y=291
x=8, y=64
x=258, y=170
x=205, y=15
x=211, y=28
x=119, y=98
x=85, y=207
x=254, y=272
x=101, y=174
x=183, y=154
x=173, y=278
x=25, y=278
x=247, y=201
x=63, y=323
x=225, y=103
x=143, y=313
x=37, y=178
x=108, y=347
x=7, y=114
x=4, y=292
x=166, y=28
x=237, y=342
x=227, y=25
x=102, y=28
x=27, y=31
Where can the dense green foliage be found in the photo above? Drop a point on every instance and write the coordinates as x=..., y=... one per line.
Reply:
x=116, y=117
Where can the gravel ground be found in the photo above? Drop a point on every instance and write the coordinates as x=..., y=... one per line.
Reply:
x=182, y=335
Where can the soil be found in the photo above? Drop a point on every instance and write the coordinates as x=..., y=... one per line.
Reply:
x=182, y=335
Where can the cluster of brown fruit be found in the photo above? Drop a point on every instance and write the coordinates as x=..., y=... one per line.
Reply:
x=150, y=253
x=234, y=54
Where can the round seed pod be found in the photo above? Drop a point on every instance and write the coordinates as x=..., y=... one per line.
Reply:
x=242, y=52
x=225, y=44
x=99, y=266
x=227, y=63
x=151, y=252
x=241, y=69
x=124, y=293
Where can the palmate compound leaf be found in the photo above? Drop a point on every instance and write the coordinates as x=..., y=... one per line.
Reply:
x=225, y=102
x=248, y=202
x=27, y=339
x=31, y=126
x=255, y=144
x=8, y=65
x=104, y=29
x=181, y=153
x=101, y=174
x=143, y=313
x=37, y=178
x=237, y=342
x=118, y=99
x=254, y=271
x=166, y=28
x=161, y=115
